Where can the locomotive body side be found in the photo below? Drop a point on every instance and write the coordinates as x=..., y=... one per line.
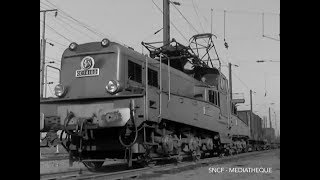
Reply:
x=188, y=101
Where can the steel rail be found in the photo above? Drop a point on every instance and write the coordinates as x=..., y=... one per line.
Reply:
x=86, y=174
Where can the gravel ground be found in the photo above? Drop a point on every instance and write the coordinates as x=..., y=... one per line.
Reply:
x=266, y=160
x=63, y=165
x=52, y=150
x=50, y=166
x=58, y=166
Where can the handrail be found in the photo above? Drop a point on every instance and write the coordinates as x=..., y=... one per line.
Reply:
x=160, y=95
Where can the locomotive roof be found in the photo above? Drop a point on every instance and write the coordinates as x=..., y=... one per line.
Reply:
x=96, y=46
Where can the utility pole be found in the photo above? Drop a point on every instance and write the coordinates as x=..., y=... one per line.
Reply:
x=43, y=53
x=270, y=117
x=251, y=111
x=230, y=81
x=166, y=22
x=275, y=123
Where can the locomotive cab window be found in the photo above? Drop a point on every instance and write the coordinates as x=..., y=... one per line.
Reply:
x=214, y=97
x=134, y=72
x=152, y=78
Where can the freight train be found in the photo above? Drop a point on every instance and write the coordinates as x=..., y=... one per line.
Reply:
x=113, y=102
x=257, y=138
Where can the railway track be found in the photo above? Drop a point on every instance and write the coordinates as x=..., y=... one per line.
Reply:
x=119, y=171
x=54, y=157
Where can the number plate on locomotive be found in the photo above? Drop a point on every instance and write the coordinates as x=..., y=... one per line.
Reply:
x=87, y=73
x=87, y=69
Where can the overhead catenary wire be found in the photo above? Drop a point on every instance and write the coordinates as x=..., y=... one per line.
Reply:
x=83, y=25
x=57, y=43
x=263, y=28
x=190, y=24
x=262, y=24
x=53, y=43
x=248, y=88
x=233, y=11
x=45, y=5
x=63, y=27
x=230, y=11
x=55, y=31
x=224, y=26
x=99, y=34
x=61, y=21
x=62, y=16
x=186, y=19
x=171, y=22
x=195, y=10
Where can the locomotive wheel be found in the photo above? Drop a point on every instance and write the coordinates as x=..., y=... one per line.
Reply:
x=93, y=166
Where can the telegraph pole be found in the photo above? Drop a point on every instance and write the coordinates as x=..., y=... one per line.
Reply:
x=166, y=22
x=270, y=117
x=43, y=53
x=230, y=80
x=275, y=123
x=251, y=111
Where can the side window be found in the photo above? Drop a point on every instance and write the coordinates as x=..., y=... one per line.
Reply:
x=226, y=85
x=211, y=97
x=214, y=97
x=152, y=78
x=222, y=83
x=134, y=71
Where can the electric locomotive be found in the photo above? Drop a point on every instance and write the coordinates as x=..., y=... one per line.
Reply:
x=114, y=102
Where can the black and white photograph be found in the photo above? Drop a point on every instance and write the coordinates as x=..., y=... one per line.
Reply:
x=160, y=89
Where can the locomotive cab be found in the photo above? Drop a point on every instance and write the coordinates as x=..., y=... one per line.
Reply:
x=92, y=89
x=91, y=70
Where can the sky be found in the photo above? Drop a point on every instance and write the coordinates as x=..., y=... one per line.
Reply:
x=130, y=22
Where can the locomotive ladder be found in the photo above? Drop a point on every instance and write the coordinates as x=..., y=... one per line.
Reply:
x=161, y=86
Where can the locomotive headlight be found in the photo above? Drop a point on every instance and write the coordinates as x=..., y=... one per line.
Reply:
x=73, y=46
x=105, y=42
x=113, y=87
x=59, y=90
